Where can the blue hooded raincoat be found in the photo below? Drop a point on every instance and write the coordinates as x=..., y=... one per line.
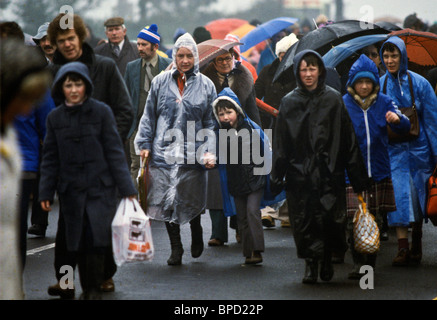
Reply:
x=411, y=162
x=370, y=124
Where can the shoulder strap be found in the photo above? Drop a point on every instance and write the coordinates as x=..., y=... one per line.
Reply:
x=410, y=83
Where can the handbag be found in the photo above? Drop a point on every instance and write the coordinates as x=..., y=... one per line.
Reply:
x=410, y=113
x=131, y=233
x=365, y=230
x=143, y=183
x=431, y=202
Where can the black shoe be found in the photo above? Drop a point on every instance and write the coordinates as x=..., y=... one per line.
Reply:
x=37, y=230
x=255, y=258
x=175, y=257
x=196, y=249
x=311, y=270
x=326, y=269
x=355, y=273
x=56, y=290
x=196, y=237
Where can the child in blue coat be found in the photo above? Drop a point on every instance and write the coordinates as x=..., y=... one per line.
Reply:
x=370, y=112
x=245, y=182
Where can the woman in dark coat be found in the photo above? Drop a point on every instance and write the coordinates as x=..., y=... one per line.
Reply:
x=83, y=161
x=314, y=145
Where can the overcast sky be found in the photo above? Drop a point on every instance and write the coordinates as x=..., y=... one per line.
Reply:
x=425, y=9
x=353, y=9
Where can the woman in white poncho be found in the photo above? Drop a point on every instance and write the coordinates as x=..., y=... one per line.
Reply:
x=178, y=110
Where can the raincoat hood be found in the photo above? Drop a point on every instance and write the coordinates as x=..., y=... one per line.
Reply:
x=363, y=68
x=400, y=44
x=186, y=41
x=228, y=95
x=72, y=67
x=296, y=62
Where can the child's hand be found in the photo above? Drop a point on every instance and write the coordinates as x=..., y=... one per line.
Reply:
x=45, y=205
x=392, y=117
x=209, y=160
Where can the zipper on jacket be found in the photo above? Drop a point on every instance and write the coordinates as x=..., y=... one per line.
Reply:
x=400, y=85
x=366, y=121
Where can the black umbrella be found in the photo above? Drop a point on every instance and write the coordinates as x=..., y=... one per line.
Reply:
x=388, y=26
x=323, y=39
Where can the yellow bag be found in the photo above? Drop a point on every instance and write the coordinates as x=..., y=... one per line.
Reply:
x=366, y=231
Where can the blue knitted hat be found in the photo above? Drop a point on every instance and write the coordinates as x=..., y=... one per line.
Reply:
x=365, y=74
x=150, y=34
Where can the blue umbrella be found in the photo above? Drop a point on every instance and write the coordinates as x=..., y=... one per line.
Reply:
x=265, y=31
x=339, y=53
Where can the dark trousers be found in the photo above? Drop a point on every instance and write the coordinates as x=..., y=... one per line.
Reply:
x=65, y=257
x=39, y=216
x=91, y=263
x=249, y=222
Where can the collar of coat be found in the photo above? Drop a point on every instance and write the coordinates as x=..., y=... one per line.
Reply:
x=242, y=84
x=188, y=74
x=87, y=57
x=367, y=102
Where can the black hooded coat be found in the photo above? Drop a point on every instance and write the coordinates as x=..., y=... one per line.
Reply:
x=314, y=145
x=84, y=162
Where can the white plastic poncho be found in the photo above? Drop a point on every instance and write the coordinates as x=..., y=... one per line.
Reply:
x=176, y=129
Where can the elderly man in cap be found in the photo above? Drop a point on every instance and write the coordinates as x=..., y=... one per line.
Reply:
x=43, y=42
x=119, y=48
x=138, y=78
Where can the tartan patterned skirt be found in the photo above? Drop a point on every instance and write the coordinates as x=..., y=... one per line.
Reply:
x=380, y=198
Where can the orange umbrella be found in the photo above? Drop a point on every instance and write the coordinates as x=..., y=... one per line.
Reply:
x=221, y=27
x=421, y=46
x=242, y=30
x=267, y=108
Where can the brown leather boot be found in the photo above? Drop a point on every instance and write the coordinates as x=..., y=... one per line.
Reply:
x=402, y=259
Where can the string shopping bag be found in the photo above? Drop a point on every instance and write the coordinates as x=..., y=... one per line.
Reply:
x=366, y=231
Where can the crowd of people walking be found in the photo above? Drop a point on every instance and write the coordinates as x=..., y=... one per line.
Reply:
x=80, y=139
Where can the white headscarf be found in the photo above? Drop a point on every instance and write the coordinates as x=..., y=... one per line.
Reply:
x=186, y=41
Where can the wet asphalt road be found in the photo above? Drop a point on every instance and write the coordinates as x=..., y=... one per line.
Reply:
x=220, y=274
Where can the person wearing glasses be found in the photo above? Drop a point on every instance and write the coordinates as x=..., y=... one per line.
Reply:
x=226, y=71
x=372, y=52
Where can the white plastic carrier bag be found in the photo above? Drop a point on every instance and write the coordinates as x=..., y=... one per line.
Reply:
x=131, y=233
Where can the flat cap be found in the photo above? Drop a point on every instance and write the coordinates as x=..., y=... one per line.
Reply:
x=113, y=22
x=42, y=32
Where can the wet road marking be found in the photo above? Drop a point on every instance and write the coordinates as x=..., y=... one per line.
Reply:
x=39, y=249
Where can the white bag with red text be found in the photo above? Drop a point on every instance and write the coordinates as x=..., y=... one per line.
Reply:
x=131, y=233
